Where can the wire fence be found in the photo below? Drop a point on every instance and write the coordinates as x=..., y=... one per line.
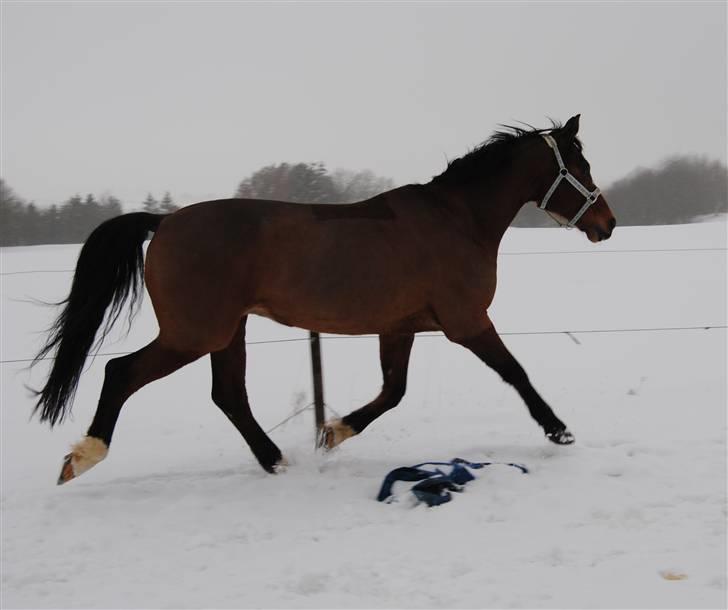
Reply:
x=514, y=253
x=571, y=333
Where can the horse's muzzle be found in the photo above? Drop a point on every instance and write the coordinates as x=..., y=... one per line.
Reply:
x=600, y=234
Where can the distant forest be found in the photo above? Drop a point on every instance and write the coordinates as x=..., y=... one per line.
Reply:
x=680, y=190
x=25, y=224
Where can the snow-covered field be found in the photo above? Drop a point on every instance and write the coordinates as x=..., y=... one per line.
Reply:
x=180, y=515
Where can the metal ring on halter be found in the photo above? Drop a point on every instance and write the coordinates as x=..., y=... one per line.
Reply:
x=565, y=174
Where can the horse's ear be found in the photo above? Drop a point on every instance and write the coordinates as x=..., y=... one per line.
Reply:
x=571, y=128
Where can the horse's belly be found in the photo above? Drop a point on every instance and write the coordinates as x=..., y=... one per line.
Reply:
x=352, y=322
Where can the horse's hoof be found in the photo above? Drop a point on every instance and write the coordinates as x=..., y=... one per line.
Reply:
x=334, y=433
x=280, y=466
x=276, y=464
x=84, y=456
x=325, y=438
x=560, y=437
x=67, y=472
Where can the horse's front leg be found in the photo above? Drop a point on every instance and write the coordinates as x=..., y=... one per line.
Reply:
x=394, y=354
x=487, y=345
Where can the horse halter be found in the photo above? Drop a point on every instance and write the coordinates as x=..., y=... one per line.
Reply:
x=591, y=196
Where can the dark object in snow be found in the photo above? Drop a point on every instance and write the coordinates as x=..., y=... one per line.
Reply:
x=417, y=258
x=435, y=485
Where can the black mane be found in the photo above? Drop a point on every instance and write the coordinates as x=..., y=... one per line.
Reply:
x=488, y=158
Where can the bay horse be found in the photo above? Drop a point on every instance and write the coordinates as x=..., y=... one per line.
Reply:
x=421, y=257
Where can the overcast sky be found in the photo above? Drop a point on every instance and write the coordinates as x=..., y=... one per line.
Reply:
x=130, y=98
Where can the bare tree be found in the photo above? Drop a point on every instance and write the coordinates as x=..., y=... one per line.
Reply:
x=311, y=183
x=356, y=186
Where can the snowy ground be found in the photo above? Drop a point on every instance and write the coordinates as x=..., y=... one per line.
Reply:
x=180, y=515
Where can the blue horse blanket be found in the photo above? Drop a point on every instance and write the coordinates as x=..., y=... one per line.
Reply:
x=435, y=480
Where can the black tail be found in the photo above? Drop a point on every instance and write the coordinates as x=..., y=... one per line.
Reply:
x=110, y=268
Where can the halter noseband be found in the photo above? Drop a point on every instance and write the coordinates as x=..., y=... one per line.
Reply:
x=591, y=196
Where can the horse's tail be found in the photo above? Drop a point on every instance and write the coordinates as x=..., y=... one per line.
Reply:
x=109, y=270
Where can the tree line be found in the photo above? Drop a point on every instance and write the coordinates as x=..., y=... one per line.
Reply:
x=71, y=222
x=24, y=224
x=681, y=189
x=312, y=183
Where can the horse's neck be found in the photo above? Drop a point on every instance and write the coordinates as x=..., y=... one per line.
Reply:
x=488, y=209
x=497, y=210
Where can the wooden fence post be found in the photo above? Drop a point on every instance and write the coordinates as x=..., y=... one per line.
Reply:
x=318, y=384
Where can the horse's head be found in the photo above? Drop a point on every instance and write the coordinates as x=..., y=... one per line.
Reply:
x=569, y=193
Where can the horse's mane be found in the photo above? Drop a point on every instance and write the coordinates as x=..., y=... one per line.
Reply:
x=488, y=158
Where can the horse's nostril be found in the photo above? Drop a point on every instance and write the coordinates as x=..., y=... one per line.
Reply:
x=612, y=224
x=605, y=234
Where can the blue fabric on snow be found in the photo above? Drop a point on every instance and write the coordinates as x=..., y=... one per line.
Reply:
x=434, y=485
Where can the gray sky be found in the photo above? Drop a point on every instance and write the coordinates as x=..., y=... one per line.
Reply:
x=130, y=98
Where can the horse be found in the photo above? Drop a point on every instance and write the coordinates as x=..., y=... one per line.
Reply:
x=421, y=257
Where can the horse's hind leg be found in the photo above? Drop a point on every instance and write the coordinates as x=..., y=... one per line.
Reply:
x=123, y=377
x=228, y=393
x=394, y=353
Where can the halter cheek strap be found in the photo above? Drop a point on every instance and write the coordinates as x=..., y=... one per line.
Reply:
x=564, y=173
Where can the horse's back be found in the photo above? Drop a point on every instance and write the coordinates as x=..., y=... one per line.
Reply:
x=349, y=268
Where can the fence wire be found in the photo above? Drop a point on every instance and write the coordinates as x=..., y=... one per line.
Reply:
x=569, y=333
x=526, y=253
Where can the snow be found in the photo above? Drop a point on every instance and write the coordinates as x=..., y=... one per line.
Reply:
x=180, y=514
